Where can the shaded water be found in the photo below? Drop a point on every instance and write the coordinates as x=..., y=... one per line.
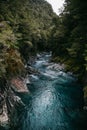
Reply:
x=56, y=100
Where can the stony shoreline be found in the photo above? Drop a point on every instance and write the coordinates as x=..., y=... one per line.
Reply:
x=11, y=100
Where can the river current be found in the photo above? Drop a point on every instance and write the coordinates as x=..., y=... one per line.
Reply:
x=55, y=101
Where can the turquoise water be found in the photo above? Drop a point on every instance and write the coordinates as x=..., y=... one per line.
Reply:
x=55, y=101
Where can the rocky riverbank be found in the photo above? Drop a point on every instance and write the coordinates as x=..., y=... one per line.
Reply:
x=53, y=102
x=10, y=102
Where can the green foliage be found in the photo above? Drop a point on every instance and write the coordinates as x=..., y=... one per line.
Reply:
x=14, y=64
x=7, y=36
x=29, y=26
x=7, y=41
x=68, y=38
x=25, y=27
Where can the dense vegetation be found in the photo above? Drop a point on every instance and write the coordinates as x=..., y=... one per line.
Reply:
x=28, y=26
x=69, y=38
x=24, y=29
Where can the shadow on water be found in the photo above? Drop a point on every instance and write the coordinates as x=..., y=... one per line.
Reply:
x=55, y=101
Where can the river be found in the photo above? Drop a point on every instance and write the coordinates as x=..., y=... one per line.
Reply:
x=55, y=101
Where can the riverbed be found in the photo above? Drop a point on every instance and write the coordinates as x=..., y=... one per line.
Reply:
x=55, y=101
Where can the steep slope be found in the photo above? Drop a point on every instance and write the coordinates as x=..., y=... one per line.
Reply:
x=69, y=40
x=32, y=19
x=25, y=27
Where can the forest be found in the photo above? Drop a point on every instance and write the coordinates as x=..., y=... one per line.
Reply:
x=28, y=27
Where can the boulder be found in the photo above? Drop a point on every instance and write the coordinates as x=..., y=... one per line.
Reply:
x=18, y=85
